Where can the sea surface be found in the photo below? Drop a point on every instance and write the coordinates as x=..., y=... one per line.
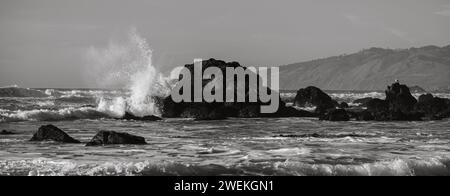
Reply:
x=257, y=146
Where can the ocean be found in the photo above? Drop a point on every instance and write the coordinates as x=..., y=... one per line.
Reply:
x=260, y=146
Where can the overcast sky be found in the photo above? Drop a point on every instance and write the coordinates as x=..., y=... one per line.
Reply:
x=42, y=42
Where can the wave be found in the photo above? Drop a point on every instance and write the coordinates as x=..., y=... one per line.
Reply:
x=437, y=166
x=15, y=91
x=53, y=115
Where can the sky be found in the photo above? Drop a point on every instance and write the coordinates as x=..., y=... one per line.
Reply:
x=43, y=43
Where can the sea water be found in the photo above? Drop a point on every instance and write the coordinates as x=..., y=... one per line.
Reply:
x=225, y=147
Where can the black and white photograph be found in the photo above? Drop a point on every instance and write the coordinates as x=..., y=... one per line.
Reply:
x=240, y=88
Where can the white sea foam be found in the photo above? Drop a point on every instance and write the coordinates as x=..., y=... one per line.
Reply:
x=437, y=166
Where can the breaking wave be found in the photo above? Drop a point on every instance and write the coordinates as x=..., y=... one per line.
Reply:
x=398, y=167
x=130, y=66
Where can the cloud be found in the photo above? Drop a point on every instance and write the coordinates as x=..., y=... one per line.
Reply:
x=444, y=12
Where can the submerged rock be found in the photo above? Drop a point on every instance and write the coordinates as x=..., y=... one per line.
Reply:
x=112, y=137
x=313, y=96
x=129, y=116
x=52, y=133
x=5, y=132
x=335, y=115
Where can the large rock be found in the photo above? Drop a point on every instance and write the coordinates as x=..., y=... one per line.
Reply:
x=313, y=96
x=433, y=107
x=218, y=110
x=335, y=115
x=111, y=137
x=399, y=98
x=52, y=133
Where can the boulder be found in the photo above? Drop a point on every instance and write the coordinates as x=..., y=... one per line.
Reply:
x=52, y=133
x=313, y=96
x=335, y=115
x=130, y=116
x=112, y=137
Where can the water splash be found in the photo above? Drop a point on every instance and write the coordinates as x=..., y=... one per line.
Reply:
x=128, y=65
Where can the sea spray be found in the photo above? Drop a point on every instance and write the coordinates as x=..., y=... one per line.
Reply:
x=128, y=65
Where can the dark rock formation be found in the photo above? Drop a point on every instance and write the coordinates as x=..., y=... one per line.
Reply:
x=313, y=96
x=219, y=110
x=335, y=115
x=398, y=106
x=363, y=102
x=129, y=116
x=111, y=137
x=5, y=132
x=433, y=107
x=399, y=98
x=52, y=133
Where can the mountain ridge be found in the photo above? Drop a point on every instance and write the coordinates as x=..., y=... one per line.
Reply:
x=372, y=69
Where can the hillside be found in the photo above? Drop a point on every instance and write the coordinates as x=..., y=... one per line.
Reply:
x=372, y=69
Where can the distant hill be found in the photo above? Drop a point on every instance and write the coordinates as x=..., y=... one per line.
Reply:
x=372, y=69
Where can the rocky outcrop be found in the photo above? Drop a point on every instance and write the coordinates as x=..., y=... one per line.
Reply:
x=52, y=133
x=313, y=96
x=220, y=110
x=335, y=115
x=398, y=106
x=433, y=107
x=399, y=98
x=111, y=137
